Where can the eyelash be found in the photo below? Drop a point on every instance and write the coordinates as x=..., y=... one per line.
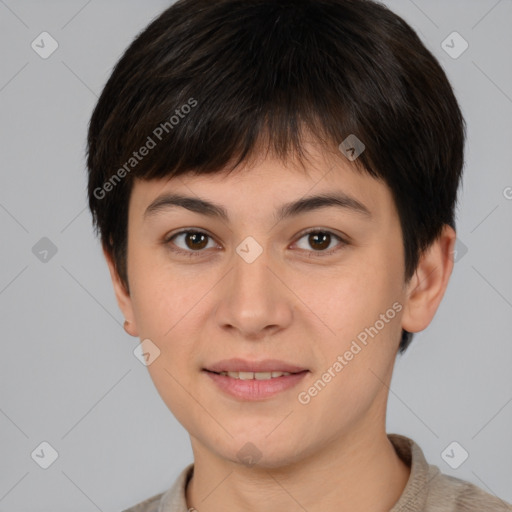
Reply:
x=192, y=254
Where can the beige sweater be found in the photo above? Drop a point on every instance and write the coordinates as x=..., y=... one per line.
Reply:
x=427, y=490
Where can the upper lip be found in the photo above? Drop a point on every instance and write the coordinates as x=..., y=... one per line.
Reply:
x=242, y=365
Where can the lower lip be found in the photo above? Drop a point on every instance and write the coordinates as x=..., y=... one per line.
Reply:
x=255, y=389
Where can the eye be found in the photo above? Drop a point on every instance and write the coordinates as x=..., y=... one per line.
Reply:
x=194, y=242
x=320, y=240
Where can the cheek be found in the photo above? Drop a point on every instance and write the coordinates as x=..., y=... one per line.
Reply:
x=167, y=315
x=361, y=306
x=162, y=295
x=354, y=361
x=351, y=299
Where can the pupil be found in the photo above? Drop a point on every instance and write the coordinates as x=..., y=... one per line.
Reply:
x=194, y=237
x=313, y=240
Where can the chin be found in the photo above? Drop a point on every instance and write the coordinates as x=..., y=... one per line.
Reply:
x=260, y=453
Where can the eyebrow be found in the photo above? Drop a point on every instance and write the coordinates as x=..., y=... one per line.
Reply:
x=341, y=200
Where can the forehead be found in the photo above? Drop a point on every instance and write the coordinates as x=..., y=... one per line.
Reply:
x=266, y=184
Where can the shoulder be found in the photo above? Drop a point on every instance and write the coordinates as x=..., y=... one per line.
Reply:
x=172, y=500
x=148, y=505
x=430, y=490
x=450, y=494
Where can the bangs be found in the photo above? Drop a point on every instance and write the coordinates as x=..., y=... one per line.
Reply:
x=240, y=87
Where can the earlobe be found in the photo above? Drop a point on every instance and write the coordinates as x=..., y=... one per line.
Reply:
x=123, y=297
x=128, y=329
x=428, y=285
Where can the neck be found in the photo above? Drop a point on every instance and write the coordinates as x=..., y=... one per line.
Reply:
x=354, y=473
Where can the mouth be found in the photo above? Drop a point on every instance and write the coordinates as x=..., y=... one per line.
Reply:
x=255, y=375
x=244, y=368
x=248, y=381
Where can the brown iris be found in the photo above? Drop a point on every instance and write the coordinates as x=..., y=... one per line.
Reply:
x=197, y=240
x=319, y=240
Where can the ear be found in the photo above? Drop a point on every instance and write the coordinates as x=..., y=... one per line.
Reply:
x=123, y=297
x=428, y=284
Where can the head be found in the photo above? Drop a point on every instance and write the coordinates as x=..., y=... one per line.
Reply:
x=251, y=105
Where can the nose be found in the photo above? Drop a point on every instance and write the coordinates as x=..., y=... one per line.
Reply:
x=253, y=301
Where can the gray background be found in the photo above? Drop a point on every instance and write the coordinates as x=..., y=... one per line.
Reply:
x=68, y=374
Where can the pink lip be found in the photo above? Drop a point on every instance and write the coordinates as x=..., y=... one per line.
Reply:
x=255, y=389
x=242, y=365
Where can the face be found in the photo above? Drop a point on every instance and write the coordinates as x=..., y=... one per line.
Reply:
x=319, y=291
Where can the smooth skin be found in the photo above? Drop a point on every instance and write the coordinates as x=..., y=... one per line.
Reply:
x=293, y=304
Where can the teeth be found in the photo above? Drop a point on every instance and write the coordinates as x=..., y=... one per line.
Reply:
x=262, y=375
x=254, y=375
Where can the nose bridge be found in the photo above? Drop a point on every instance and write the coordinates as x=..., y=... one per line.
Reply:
x=252, y=298
x=250, y=279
